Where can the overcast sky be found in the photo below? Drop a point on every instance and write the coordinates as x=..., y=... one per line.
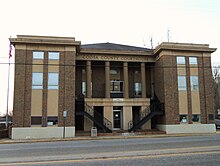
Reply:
x=131, y=22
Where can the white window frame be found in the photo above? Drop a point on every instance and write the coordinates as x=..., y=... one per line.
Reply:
x=37, y=84
x=53, y=55
x=51, y=83
x=38, y=55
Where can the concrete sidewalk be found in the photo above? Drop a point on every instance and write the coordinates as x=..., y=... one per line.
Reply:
x=81, y=138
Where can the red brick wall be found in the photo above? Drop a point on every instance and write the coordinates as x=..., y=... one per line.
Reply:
x=67, y=88
x=206, y=89
x=166, y=88
x=22, y=88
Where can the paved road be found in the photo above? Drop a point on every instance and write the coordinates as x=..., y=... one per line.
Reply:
x=191, y=150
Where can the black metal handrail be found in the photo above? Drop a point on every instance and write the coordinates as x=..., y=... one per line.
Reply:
x=90, y=111
x=142, y=115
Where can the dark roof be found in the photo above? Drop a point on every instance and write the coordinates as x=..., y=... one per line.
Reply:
x=112, y=46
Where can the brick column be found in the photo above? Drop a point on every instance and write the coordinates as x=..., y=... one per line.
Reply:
x=107, y=79
x=19, y=88
x=189, y=94
x=28, y=90
x=88, y=79
x=69, y=86
x=143, y=80
x=45, y=90
x=125, y=73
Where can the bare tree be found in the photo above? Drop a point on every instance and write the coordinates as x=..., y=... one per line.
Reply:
x=216, y=77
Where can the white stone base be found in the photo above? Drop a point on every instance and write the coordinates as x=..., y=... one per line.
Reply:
x=187, y=128
x=41, y=132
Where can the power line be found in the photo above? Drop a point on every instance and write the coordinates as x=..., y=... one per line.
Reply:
x=149, y=65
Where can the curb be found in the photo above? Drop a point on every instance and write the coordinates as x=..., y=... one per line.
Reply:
x=9, y=141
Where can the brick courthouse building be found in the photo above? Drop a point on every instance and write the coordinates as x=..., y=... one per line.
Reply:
x=111, y=86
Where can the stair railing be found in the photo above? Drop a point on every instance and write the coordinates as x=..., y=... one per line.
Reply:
x=143, y=114
x=90, y=111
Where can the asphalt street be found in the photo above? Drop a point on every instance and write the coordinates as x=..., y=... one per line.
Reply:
x=190, y=150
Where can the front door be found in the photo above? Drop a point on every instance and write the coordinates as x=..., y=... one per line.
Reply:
x=117, y=119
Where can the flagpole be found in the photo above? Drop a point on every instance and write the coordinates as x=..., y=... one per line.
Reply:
x=9, y=64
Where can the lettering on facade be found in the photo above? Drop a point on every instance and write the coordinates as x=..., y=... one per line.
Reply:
x=114, y=58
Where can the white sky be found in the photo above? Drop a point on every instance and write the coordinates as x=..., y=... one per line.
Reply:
x=131, y=22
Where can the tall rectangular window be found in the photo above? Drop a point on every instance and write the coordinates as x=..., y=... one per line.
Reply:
x=84, y=88
x=180, y=60
x=38, y=55
x=53, y=55
x=194, y=83
x=181, y=83
x=193, y=61
x=137, y=89
x=53, y=81
x=37, y=80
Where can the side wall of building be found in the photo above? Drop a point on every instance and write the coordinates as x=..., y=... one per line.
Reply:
x=22, y=87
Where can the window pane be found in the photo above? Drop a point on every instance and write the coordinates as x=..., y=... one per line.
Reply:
x=84, y=88
x=116, y=86
x=36, y=120
x=37, y=80
x=53, y=79
x=38, y=55
x=137, y=89
x=52, y=120
x=194, y=82
x=193, y=60
x=196, y=118
x=54, y=55
x=183, y=118
x=180, y=60
x=181, y=82
x=114, y=71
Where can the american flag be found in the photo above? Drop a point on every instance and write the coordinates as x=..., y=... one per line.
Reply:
x=10, y=50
